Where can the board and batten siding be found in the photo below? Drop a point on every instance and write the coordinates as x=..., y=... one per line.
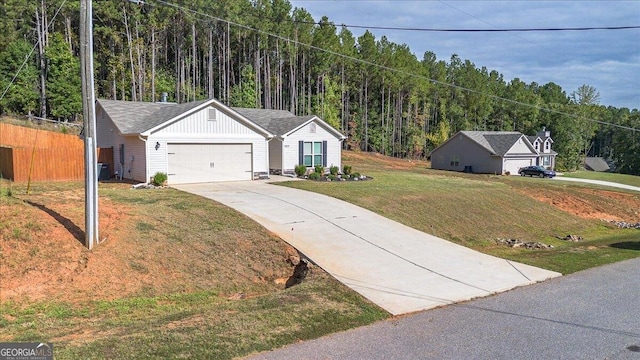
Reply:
x=290, y=146
x=198, y=129
x=521, y=147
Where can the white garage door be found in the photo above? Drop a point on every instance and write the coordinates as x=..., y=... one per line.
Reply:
x=513, y=165
x=195, y=163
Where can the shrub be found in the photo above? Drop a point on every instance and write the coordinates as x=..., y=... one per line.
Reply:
x=332, y=177
x=355, y=175
x=319, y=169
x=300, y=170
x=314, y=176
x=346, y=170
x=159, y=178
x=334, y=170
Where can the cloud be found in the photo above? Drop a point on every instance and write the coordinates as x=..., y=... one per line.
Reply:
x=605, y=59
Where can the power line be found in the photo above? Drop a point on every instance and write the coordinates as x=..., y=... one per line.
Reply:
x=471, y=30
x=384, y=67
x=29, y=55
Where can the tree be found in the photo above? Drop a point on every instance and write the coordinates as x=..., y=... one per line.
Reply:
x=244, y=93
x=63, y=80
x=22, y=95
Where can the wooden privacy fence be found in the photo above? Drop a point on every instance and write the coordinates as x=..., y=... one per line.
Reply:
x=48, y=156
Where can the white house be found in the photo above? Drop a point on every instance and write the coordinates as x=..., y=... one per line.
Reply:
x=207, y=141
x=194, y=142
x=306, y=140
x=493, y=152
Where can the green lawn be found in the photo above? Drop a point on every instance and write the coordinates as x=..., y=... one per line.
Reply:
x=604, y=176
x=475, y=210
x=213, y=252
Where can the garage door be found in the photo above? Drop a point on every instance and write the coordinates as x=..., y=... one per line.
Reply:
x=513, y=165
x=195, y=163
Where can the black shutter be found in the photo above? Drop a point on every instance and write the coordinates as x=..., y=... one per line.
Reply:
x=324, y=154
x=301, y=152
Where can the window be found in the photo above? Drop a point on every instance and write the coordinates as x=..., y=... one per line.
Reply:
x=547, y=145
x=536, y=145
x=212, y=114
x=546, y=160
x=312, y=153
x=455, y=160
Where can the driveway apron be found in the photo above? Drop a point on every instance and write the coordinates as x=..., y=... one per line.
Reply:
x=397, y=267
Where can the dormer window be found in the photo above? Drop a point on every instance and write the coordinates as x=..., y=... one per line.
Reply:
x=536, y=145
x=547, y=145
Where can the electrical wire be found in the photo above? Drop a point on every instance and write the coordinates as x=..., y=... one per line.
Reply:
x=384, y=67
x=26, y=59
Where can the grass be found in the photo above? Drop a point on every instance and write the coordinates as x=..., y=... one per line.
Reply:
x=210, y=252
x=632, y=180
x=475, y=210
x=199, y=325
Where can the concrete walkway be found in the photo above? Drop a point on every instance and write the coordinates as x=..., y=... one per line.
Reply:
x=399, y=268
x=599, y=182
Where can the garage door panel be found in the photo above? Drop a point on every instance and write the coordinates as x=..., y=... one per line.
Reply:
x=192, y=163
x=513, y=165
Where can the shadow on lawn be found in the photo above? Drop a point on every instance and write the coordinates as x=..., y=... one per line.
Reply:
x=67, y=223
x=627, y=245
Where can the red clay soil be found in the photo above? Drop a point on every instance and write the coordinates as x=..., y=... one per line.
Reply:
x=50, y=262
x=594, y=204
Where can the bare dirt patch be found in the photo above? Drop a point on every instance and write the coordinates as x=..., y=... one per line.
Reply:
x=593, y=204
x=379, y=160
x=147, y=248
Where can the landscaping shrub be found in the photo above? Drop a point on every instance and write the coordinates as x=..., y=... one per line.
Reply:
x=355, y=175
x=319, y=169
x=300, y=170
x=334, y=170
x=315, y=176
x=332, y=177
x=346, y=170
x=159, y=179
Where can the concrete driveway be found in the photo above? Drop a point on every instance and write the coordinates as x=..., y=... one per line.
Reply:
x=397, y=267
x=599, y=182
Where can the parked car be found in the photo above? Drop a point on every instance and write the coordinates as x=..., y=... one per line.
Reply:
x=536, y=171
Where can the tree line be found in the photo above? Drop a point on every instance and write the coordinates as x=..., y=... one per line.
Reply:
x=267, y=54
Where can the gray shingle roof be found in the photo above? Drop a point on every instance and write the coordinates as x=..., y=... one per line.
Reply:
x=497, y=142
x=131, y=117
x=278, y=122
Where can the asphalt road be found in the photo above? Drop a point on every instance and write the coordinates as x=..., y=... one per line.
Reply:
x=593, y=314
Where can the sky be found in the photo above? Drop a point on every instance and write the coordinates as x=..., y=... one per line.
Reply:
x=608, y=60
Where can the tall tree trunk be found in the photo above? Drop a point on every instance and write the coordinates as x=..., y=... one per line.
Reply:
x=153, y=64
x=41, y=30
x=130, y=46
x=210, y=93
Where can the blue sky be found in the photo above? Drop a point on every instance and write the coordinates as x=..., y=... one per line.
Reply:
x=608, y=60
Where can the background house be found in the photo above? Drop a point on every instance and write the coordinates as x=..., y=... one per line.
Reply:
x=493, y=152
x=306, y=140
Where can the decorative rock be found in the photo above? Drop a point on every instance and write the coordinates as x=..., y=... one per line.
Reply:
x=624, y=224
x=516, y=243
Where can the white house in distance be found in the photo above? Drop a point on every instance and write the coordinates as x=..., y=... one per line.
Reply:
x=204, y=141
x=494, y=152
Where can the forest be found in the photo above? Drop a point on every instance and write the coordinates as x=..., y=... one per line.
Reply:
x=267, y=54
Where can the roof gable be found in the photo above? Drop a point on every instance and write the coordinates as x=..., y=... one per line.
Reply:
x=281, y=122
x=142, y=118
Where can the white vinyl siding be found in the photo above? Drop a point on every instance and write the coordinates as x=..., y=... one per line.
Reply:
x=291, y=148
x=197, y=129
x=134, y=159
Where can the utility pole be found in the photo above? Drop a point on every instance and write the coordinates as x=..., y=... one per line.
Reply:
x=89, y=131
